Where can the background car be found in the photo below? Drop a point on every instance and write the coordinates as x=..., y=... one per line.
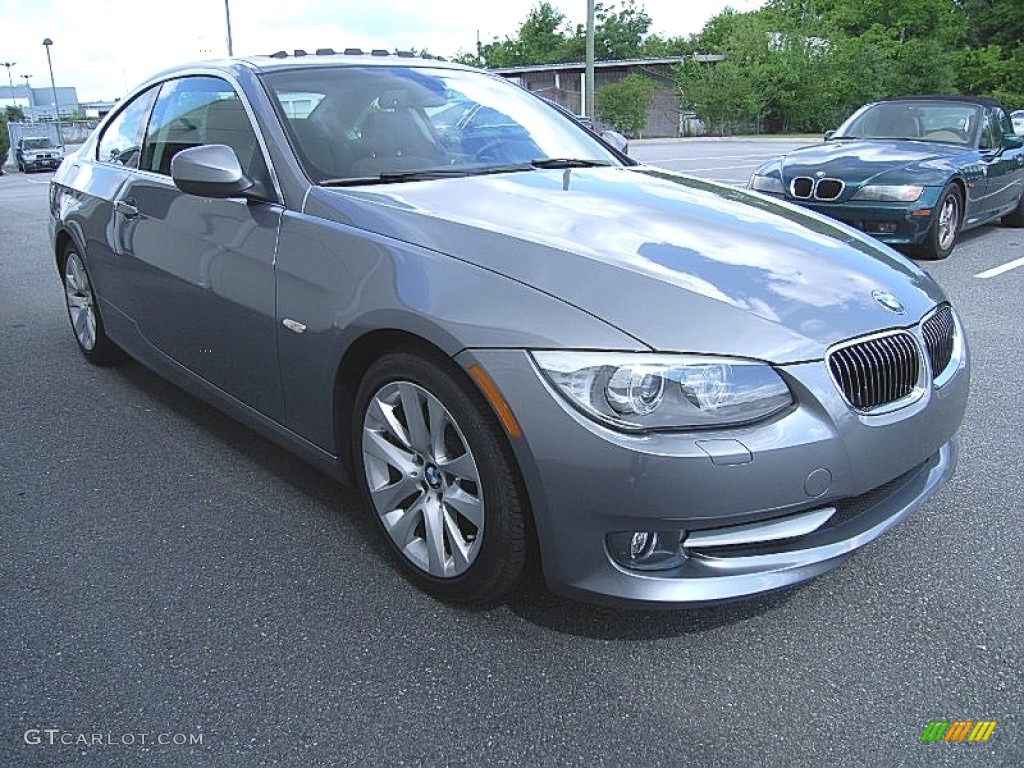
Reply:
x=912, y=171
x=670, y=392
x=1017, y=117
x=37, y=153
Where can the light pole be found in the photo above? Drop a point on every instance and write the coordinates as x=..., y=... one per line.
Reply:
x=28, y=97
x=10, y=82
x=227, y=16
x=588, y=77
x=56, y=105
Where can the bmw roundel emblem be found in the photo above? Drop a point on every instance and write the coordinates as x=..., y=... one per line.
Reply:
x=820, y=174
x=888, y=301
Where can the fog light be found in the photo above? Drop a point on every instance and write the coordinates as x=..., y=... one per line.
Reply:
x=882, y=227
x=647, y=550
x=641, y=544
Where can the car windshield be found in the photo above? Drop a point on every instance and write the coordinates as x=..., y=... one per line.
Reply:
x=352, y=125
x=37, y=144
x=941, y=121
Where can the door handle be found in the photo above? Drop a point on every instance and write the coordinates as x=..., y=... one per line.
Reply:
x=126, y=208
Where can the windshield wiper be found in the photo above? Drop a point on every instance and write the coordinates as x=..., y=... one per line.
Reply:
x=426, y=174
x=567, y=162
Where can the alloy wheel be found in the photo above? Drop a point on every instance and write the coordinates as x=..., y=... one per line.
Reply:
x=423, y=479
x=949, y=221
x=81, y=303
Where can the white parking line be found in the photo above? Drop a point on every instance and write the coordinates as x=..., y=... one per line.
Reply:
x=1000, y=269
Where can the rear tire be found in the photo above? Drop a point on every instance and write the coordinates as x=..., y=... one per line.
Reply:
x=942, y=235
x=442, y=484
x=84, y=313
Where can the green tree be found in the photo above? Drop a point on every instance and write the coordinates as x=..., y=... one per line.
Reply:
x=624, y=104
x=540, y=39
x=14, y=114
x=5, y=140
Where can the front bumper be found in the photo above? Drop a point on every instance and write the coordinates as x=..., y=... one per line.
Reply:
x=892, y=223
x=585, y=481
x=41, y=164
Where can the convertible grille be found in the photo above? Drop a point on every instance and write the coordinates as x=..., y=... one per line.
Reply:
x=939, y=332
x=878, y=371
x=804, y=188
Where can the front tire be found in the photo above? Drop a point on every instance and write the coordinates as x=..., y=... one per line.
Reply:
x=83, y=312
x=432, y=465
x=942, y=234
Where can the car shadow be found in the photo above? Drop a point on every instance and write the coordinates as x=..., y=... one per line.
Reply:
x=535, y=603
x=325, y=491
x=338, y=504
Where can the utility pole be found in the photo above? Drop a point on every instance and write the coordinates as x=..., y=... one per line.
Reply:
x=227, y=16
x=589, y=76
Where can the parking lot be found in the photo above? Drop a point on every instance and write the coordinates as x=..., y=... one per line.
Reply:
x=167, y=573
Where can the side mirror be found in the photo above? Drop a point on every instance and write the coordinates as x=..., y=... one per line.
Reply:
x=1012, y=141
x=211, y=170
x=617, y=140
x=829, y=135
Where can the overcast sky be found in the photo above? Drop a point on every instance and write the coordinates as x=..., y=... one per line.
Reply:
x=104, y=47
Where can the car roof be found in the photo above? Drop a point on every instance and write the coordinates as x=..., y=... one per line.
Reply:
x=322, y=57
x=978, y=100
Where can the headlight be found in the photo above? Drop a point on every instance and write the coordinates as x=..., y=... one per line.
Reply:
x=769, y=184
x=883, y=193
x=640, y=392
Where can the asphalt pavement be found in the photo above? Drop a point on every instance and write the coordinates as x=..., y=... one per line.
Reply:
x=175, y=590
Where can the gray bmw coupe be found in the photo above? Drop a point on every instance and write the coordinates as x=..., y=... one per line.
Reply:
x=512, y=337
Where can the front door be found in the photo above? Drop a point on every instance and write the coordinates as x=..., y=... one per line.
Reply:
x=205, y=266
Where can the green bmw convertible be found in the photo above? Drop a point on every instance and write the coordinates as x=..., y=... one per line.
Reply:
x=914, y=172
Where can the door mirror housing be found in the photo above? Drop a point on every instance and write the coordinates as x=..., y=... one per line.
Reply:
x=1012, y=141
x=211, y=170
x=617, y=140
x=829, y=135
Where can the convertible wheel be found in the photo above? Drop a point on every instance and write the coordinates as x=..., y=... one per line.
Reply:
x=1016, y=217
x=941, y=237
x=440, y=480
x=84, y=314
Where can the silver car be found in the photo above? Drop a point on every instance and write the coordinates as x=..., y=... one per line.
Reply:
x=512, y=337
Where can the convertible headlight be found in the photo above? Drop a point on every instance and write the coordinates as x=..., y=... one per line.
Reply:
x=637, y=392
x=884, y=193
x=770, y=184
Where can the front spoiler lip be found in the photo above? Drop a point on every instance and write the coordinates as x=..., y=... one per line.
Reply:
x=730, y=578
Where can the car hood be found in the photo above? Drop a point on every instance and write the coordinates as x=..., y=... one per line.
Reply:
x=677, y=263
x=860, y=161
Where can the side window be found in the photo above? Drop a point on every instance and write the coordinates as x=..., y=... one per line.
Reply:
x=1005, y=124
x=991, y=136
x=121, y=141
x=193, y=111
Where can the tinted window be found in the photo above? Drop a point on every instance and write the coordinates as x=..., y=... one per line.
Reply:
x=992, y=135
x=1005, y=124
x=360, y=124
x=122, y=138
x=194, y=111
